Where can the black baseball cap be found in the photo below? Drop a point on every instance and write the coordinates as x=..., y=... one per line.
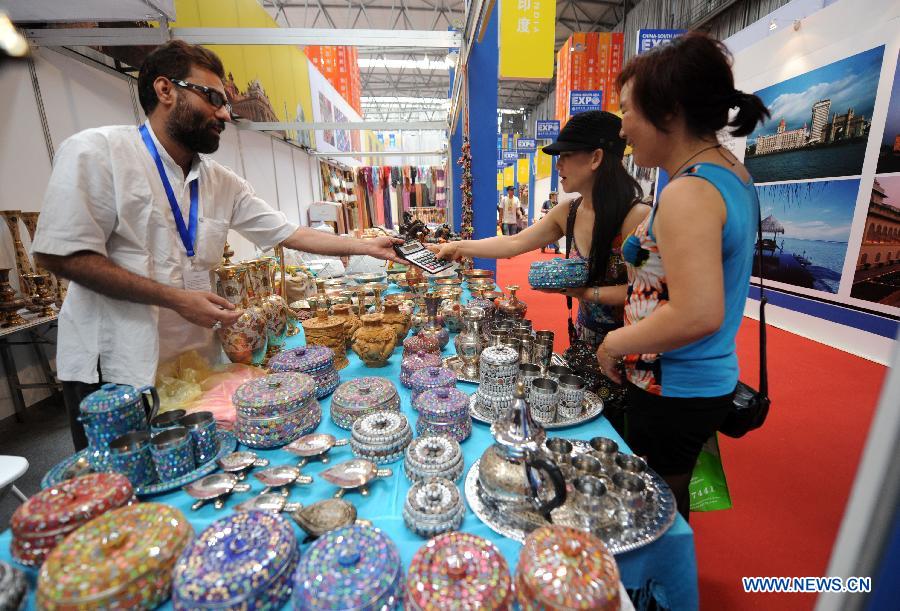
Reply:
x=587, y=131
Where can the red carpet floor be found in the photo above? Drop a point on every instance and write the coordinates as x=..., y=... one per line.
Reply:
x=789, y=480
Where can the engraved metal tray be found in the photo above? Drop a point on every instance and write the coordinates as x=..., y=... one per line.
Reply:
x=592, y=407
x=63, y=470
x=517, y=524
x=455, y=364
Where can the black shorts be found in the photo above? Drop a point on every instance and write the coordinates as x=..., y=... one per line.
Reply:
x=670, y=431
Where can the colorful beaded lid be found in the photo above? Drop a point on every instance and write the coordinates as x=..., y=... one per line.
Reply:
x=458, y=571
x=419, y=343
x=355, y=567
x=418, y=360
x=443, y=404
x=364, y=393
x=499, y=355
x=123, y=559
x=70, y=504
x=109, y=397
x=234, y=560
x=565, y=568
x=305, y=359
x=267, y=394
x=432, y=377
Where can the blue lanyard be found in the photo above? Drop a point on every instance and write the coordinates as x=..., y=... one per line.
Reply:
x=188, y=234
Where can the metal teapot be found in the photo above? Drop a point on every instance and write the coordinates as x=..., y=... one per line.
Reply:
x=509, y=469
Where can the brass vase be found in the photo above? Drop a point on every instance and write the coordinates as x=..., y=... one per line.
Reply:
x=23, y=264
x=9, y=303
x=374, y=341
x=41, y=297
x=57, y=287
x=434, y=327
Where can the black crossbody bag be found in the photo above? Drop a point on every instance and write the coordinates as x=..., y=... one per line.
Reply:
x=750, y=406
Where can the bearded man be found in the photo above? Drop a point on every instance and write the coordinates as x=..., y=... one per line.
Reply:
x=136, y=218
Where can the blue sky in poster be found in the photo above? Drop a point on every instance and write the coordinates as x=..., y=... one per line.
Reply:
x=892, y=128
x=821, y=210
x=849, y=83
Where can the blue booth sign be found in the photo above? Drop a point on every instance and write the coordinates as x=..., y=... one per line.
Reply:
x=526, y=145
x=583, y=101
x=510, y=156
x=501, y=164
x=546, y=130
x=647, y=39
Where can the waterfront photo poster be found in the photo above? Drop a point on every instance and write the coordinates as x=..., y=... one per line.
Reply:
x=819, y=124
x=889, y=151
x=877, y=276
x=806, y=229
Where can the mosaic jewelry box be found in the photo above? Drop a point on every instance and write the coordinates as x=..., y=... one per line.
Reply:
x=356, y=398
x=276, y=409
x=558, y=273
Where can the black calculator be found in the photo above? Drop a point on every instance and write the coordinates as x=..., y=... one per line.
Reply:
x=416, y=253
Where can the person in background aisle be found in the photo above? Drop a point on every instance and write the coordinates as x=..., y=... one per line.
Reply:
x=509, y=207
x=689, y=261
x=590, y=163
x=136, y=218
x=545, y=208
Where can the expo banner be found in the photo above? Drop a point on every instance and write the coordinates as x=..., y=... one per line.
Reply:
x=546, y=130
x=527, y=38
x=526, y=145
x=510, y=156
x=583, y=101
x=647, y=39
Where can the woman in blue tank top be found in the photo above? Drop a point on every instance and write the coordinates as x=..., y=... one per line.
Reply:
x=689, y=261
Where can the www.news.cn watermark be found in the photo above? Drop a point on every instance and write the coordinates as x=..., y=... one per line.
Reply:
x=807, y=584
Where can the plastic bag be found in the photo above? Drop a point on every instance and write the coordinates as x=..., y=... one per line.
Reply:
x=708, y=487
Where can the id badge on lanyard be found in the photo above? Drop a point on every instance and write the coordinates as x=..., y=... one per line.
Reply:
x=194, y=279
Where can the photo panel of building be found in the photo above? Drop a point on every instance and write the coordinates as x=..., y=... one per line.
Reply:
x=806, y=227
x=877, y=276
x=820, y=122
x=889, y=153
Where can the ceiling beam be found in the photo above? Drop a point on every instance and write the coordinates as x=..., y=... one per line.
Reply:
x=265, y=126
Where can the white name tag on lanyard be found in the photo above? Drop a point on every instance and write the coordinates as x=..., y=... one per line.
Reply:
x=196, y=279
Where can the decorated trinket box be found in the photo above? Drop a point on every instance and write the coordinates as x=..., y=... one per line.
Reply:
x=244, y=561
x=112, y=411
x=356, y=398
x=444, y=411
x=48, y=517
x=415, y=362
x=558, y=273
x=381, y=436
x=121, y=560
x=275, y=409
x=315, y=361
x=429, y=378
x=418, y=343
x=584, y=573
x=433, y=506
x=433, y=456
x=356, y=567
x=458, y=570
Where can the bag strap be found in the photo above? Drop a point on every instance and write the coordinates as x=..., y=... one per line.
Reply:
x=570, y=238
x=763, y=365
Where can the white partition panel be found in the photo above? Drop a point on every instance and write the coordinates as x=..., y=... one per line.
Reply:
x=256, y=152
x=307, y=170
x=77, y=97
x=284, y=176
x=228, y=154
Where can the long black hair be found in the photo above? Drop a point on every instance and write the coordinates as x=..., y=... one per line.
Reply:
x=614, y=193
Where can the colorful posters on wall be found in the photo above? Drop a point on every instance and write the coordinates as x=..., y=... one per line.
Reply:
x=329, y=107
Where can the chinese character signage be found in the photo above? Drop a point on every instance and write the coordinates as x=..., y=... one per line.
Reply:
x=527, y=38
x=583, y=101
x=546, y=130
x=647, y=39
x=526, y=145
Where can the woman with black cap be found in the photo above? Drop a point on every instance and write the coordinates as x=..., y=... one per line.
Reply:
x=590, y=153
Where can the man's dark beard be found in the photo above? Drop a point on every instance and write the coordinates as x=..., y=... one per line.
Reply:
x=188, y=126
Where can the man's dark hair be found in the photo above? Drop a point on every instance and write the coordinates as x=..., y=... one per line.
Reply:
x=173, y=60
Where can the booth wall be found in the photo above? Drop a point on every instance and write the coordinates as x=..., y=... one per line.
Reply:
x=77, y=96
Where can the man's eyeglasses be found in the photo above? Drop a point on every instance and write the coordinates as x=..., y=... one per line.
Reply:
x=214, y=97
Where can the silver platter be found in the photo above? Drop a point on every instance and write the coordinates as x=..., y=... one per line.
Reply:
x=455, y=364
x=515, y=525
x=593, y=407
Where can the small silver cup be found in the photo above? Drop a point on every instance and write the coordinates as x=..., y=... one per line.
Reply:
x=560, y=449
x=543, y=400
x=631, y=463
x=586, y=464
x=527, y=373
x=571, y=396
x=555, y=372
x=604, y=449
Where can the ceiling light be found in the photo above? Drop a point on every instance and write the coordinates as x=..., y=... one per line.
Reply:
x=11, y=41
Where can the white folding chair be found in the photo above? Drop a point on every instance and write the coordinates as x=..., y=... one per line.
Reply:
x=11, y=469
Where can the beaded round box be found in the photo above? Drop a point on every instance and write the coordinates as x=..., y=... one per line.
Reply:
x=315, y=361
x=243, y=559
x=433, y=456
x=558, y=273
x=121, y=560
x=433, y=506
x=431, y=377
x=444, y=411
x=381, y=436
x=42, y=522
x=458, y=571
x=275, y=409
x=416, y=361
x=418, y=343
x=583, y=574
x=356, y=398
x=356, y=567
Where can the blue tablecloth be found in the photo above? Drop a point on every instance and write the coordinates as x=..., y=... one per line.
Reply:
x=667, y=566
